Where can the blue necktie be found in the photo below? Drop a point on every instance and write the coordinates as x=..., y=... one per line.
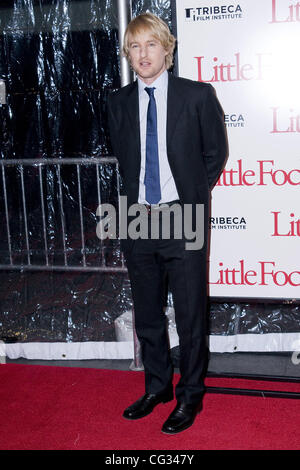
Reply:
x=152, y=183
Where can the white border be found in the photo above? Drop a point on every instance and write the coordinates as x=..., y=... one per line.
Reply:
x=71, y=351
x=271, y=342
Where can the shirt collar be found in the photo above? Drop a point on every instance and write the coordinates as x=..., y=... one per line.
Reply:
x=161, y=83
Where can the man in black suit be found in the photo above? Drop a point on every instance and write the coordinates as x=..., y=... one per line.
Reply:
x=169, y=137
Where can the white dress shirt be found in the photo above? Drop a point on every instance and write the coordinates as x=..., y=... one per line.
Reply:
x=167, y=184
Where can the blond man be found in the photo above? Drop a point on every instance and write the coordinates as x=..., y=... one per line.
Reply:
x=169, y=137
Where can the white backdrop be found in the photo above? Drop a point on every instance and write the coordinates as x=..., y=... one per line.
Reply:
x=249, y=52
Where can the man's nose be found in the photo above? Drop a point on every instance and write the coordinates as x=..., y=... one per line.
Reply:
x=143, y=51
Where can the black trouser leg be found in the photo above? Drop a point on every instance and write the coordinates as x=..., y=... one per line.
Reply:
x=146, y=274
x=187, y=277
x=147, y=263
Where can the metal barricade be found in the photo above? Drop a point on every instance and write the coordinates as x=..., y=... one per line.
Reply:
x=82, y=264
x=57, y=163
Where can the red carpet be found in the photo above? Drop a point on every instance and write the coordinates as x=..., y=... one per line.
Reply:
x=47, y=407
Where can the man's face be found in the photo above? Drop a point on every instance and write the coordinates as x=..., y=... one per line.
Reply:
x=147, y=56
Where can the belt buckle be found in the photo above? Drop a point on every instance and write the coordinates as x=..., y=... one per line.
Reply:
x=151, y=207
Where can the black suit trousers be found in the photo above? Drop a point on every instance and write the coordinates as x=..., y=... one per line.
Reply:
x=149, y=262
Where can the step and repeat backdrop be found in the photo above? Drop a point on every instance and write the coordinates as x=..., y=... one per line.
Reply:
x=249, y=52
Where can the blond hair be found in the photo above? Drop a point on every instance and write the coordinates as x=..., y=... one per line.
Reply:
x=159, y=30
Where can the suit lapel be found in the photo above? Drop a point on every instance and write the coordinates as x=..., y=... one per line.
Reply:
x=132, y=111
x=174, y=106
x=175, y=103
x=132, y=107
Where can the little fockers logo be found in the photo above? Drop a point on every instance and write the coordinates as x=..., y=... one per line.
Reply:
x=212, y=13
x=285, y=12
x=228, y=223
x=285, y=225
x=285, y=121
x=262, y=173
x=238, y=68
x=265, y=273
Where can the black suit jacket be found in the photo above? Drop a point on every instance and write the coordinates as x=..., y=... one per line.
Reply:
x=196, y=138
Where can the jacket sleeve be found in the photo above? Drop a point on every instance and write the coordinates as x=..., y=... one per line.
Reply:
x=214, y=137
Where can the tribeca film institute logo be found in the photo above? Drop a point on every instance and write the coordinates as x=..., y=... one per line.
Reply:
x=234, y=120
x=183, y=217
x=211, y=13
x=228, y=223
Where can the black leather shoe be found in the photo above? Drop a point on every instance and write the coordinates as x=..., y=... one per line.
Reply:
x=181, y=418
x=146, y=404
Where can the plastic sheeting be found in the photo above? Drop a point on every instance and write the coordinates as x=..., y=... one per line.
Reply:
x=59, y=60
